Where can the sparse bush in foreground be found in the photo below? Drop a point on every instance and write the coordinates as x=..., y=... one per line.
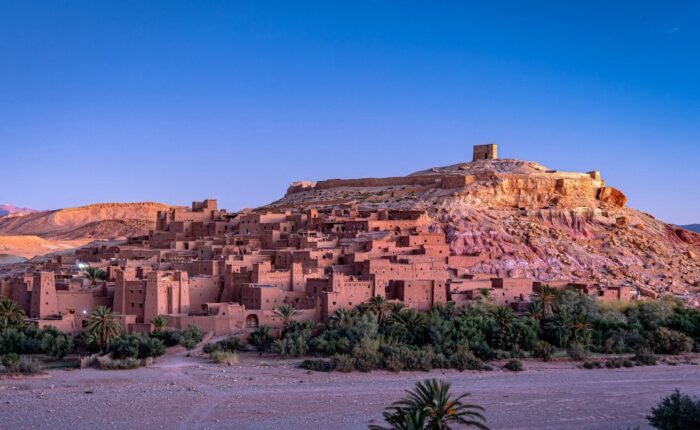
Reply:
x=676, y=412
x=18, y=364
x=644, y=357
x=577, y=352
x=107, y=363
x=231, y=344
x=229, y=358
x=318, y=365
x=514, y=365
x=543, y=350
x=343, y=363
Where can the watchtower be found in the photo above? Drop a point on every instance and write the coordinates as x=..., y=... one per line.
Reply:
x=485, y=152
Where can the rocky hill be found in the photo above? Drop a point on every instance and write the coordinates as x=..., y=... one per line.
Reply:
x=532, y=221
x=8, y=209
x=692, y=227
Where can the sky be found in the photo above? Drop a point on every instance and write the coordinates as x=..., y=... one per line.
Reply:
x=174, y=101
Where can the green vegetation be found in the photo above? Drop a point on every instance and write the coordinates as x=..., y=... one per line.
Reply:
x=262, y=339
x=676, y=412
x=13, y=364
x=190, y=337
x=229, y=358
x=514, y=365
x=431, y=406
x=231, y=344
x=160, y=323
x=102, y=326
x=11, y=315
x=95, y=274
x=136, y=346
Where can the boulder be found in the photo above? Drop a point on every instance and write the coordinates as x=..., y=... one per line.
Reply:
x=612, y=196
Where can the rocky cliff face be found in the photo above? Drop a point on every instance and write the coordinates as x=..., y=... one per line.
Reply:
x=531, y=221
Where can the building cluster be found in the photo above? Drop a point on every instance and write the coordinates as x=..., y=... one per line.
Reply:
x=225, y=271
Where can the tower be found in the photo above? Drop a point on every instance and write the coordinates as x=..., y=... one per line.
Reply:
x=485, y=152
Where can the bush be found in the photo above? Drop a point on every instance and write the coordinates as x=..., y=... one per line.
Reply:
x=136, y=346
x=543, y=350
x=367, y=356
x=627, y=363
x=294, y=343
x=614, y=363
x=229, y=358
x=190, y=337
x=343, y=363
x=169, y=337
x=397, y=358
x=514, y=365
x=464, y=359
x=676, y=412
x=592, y=365
x=231, y=344
x=577, y=352
x=318, y=365
x=107, y=363
x=261, y=339
x=18, y=364
x=666, y=341
x=55, y=343
x=644, y=357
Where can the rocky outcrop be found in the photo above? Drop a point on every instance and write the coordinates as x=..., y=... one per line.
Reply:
x=531, y=221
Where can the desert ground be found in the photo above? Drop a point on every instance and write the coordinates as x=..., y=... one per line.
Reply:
x=180, y=392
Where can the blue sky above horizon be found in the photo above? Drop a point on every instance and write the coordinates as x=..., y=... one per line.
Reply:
x=177, y=101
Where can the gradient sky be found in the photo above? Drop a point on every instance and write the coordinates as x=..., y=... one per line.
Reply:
x=178, y=101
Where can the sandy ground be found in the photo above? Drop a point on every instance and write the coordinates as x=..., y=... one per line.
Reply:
x=182, y=392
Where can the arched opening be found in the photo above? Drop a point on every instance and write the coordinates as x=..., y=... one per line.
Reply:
x=251, y=321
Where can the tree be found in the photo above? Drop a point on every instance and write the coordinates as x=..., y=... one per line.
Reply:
x=580, y=329
x=95, y=274
x=190, y=337
x=160, y=323
x=102, y=326
x=287, y=313
x=261, y=339
x=11, y=315
x=341, y=317
x=535, y=310
x=431, y=406
x=676, y=412
x=409, y=318
x=546, y=297
x=378, y=306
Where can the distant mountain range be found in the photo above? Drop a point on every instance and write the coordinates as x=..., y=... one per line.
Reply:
x=7, y=209
x=691, y=227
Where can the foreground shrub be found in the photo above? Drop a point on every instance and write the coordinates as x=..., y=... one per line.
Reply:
x=543, y=350
x=136, y=346
x=231, y=344
x=514, y=365
x=464, y=359
x=666, y=341
x=318, y=365
x=644, y=357
x=676, y=412
x=614, y=363
x=397, y=358
x=343, y=363
x=107, y=363
x=229, y=358
x=367, y=356
x=262, y=339
x=592, y=365
x=18, y=364
x=577, y=352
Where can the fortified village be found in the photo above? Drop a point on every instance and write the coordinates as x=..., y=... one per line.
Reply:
x=225, y=272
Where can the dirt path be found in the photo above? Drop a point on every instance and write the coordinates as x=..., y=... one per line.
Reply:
x=182, y=392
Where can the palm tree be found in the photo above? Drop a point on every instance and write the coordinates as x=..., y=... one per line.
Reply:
x=287, y=313
x=11, y=315
x=160, y=323
x=580, y=329
x=547, y=297
x=502, y=315
x=103, y=326
x=95, y=274
x=431, y=406
x=534, y=310
x=378, y=305
x=341, y=317
x=409, y=318
x=396, y=307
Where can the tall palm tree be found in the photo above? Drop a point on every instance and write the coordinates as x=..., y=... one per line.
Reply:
x=410, y=318
x=580, y=329
x=341, y=317
x=535, y=310
x=431, y=406
x=11, y=315
x=547, y=297
x=160, y=323
x=396, y=307
x=103, y=326
x=287, y=313
x=378, y=305
x=95, y=274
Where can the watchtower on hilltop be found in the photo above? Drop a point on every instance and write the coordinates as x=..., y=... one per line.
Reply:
x=485, y=152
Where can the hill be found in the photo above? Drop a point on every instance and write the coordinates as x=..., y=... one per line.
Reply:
x=530, y=220
x=8, y=209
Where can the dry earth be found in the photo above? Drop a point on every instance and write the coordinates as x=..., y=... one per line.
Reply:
x=184, y=393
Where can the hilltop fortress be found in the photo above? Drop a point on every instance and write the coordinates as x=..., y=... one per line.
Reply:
x=334, y=244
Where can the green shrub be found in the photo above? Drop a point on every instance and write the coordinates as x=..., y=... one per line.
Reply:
x=644, y=357
x=294, y=343
x=18, y=364
x=676, y=412
x=136, y=346
x=627, y=363
x=366, y=355
x=220, y=356
x=464, y=359
x=318, y=365
x=543, y=350
x=262, y=339
x=231, y=344
x=577, y=352
x=169, y=337
x=592, y=365
x=107, y=363
x=514, y=365
x=614, y=363
x=666, y=341
x=343, y=363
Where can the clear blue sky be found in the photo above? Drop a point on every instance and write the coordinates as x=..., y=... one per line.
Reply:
x=175, y=101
